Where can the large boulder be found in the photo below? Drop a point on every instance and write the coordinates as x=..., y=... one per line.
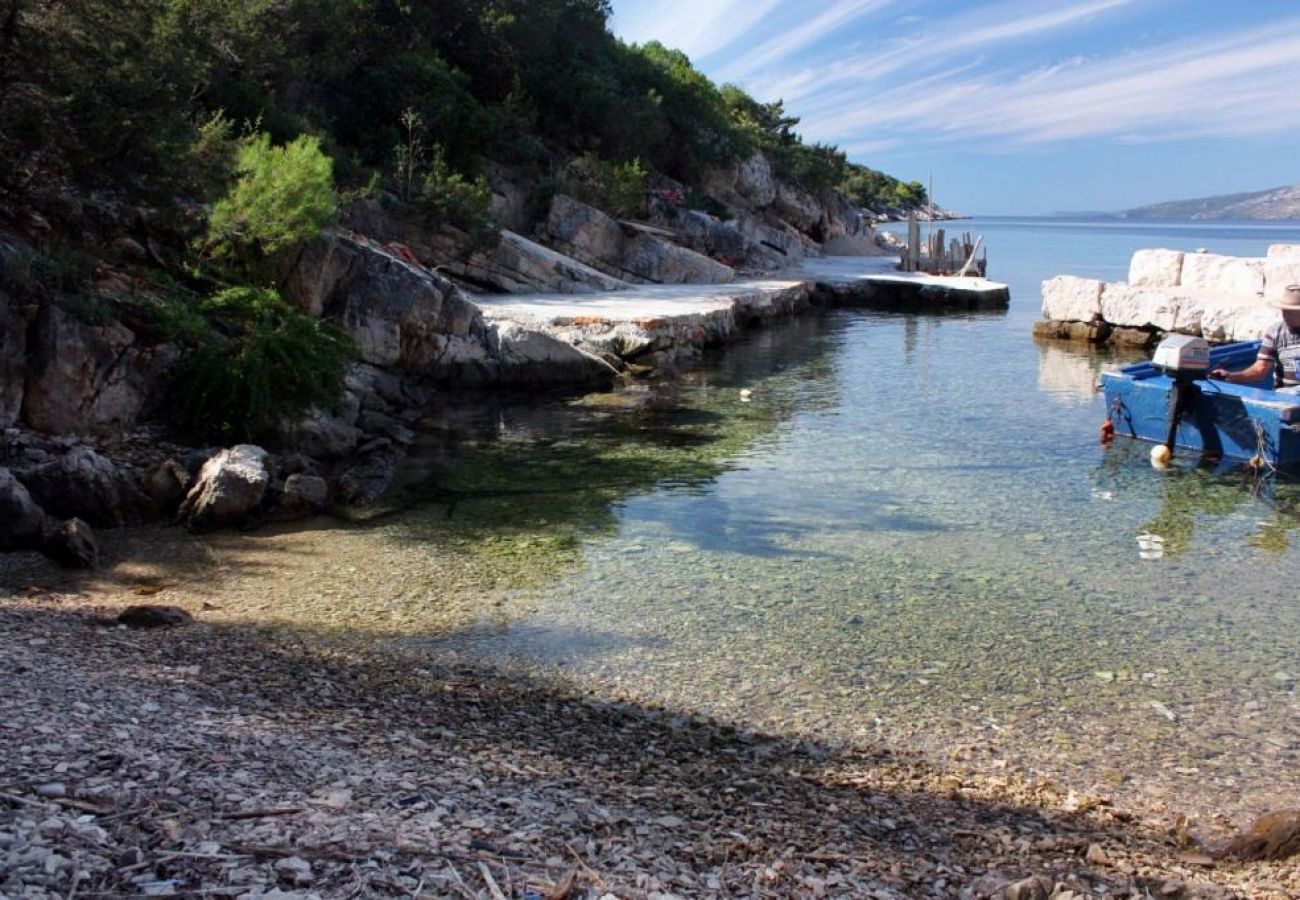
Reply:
x=1067, y=298
x=229, y=490
x=749, y=182
x=585, y=233
x=407, y=318
x=399, y=314
x=82, y=483
x=87, y=378
x=22, y=521
x=1155, y=268
x=800, y=208
x=517, y=265
x=592, y=237
x=1213, y=273
x=663, y=262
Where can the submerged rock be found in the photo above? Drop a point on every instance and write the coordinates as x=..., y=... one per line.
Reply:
x=154, y=617
x=229, y=490
x=72, y=544
x=1274, y=836
x=302, y=496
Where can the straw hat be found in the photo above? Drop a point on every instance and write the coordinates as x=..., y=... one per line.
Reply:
x=1290, y=298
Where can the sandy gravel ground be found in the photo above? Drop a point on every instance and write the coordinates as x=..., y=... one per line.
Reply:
x=222, y=759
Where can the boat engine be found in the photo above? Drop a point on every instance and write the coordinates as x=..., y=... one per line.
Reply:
x=1186, y=360
x=1183, y=358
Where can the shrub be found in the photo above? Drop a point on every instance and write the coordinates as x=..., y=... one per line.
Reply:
x=284, y=196
x=264, y=362
x=618, y=189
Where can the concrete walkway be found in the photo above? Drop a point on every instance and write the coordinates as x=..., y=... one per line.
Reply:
x=669, y=301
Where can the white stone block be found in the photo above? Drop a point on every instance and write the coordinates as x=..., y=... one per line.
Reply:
x=1070, y=299
x=1155, y=268
x=1131, y=306
x=1276, y=251
x=1215, y=274
x=1221, y=317
x=1280, y=271
x=1248, y=324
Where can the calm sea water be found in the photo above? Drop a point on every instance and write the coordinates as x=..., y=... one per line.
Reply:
x=909, y=533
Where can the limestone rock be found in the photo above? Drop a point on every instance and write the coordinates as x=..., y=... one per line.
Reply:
x=1279, y=272
x=801, y=209
x=534, y=357
x=365, y=482
x=399, y=314
x=1155, y=268
x=1130, y=306
x=518, y=265
x=584, y=232
x=84, y=378
x=1067, y=298
x=165, y=485
x=229, y=490
x=512, y=193
x=302, y=496
x=22, y=521
x=72, y=544
x=153, y=616
x=84, y=483
x=660, y=261
x=754, y=180
x=328, y=435
x=1217, y=274
x=1274, y=836
x=594, y=238
x=1283, y=251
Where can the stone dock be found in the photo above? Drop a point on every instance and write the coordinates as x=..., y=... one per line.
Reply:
x=1220, y=298
x=648, y=326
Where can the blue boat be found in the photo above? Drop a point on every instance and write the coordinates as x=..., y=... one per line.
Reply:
x=1214, y=418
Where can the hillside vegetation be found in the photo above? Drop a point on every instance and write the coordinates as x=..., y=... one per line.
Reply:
x=144, y=96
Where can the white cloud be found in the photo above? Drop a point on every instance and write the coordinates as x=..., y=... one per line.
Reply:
x=1222, y=86
x=967, y=33
x=795, y=40
x=698, y=28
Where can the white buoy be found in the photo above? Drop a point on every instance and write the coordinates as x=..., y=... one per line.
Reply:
x=1160, y=456
x=745, y=395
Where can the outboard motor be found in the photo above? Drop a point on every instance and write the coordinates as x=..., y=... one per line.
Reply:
x=1183, y=358
x=1186, y=360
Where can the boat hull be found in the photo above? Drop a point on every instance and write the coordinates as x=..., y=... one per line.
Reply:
x=1220, y=420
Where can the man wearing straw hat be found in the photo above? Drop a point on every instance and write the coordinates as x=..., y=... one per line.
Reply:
x=1279, y=349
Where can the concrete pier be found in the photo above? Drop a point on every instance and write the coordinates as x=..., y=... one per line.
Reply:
x=650, y=326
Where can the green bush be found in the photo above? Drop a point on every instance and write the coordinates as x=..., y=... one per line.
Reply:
x=263, y=362
x=618, y=189
x=284, y=196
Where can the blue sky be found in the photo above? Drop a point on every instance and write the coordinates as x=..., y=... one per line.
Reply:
x=1018, y=107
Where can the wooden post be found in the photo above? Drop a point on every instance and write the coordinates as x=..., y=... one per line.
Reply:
x=913, y=244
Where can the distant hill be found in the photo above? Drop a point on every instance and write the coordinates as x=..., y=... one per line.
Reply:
x=1274, y=203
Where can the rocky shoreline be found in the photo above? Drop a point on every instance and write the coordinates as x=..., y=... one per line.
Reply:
x=418, y=336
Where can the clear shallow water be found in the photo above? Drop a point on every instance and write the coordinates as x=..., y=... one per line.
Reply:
x=910, y=532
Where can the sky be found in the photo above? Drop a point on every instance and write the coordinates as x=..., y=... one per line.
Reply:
x=1017, y=107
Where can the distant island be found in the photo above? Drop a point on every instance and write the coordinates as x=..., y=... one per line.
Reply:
x=1270, y=204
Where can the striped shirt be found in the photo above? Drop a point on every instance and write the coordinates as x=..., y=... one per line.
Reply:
x=1281, y=345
